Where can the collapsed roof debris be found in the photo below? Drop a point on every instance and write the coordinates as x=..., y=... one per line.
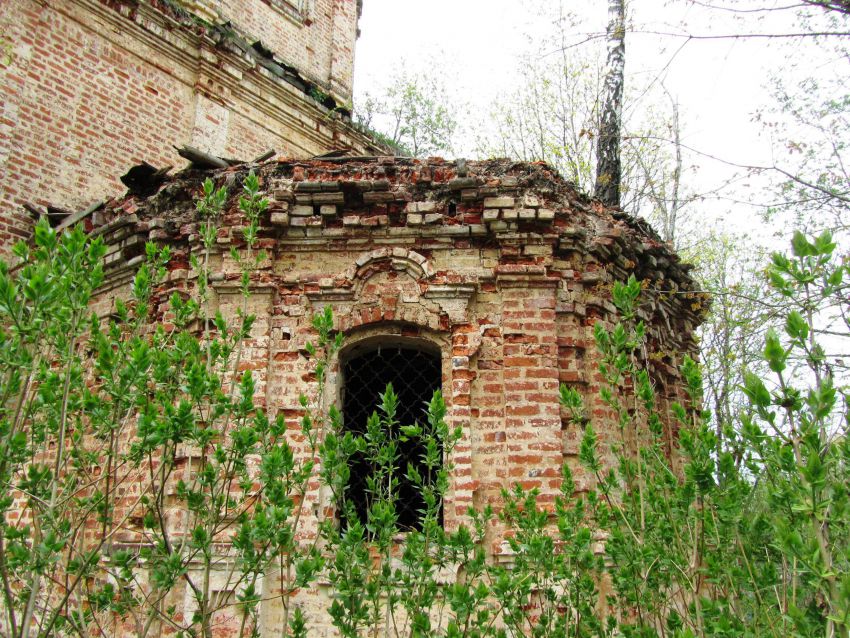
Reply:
x=375, y=198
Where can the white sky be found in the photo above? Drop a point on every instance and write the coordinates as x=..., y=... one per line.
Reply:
x=718, y=82
x=476, y=46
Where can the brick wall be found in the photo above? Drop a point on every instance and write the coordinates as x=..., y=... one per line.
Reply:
x=90, y=89
x=504, y=269
x=315, y=36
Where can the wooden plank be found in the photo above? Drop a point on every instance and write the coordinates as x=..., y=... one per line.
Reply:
x=199, y=158
x=265, y=156
x=78, y=217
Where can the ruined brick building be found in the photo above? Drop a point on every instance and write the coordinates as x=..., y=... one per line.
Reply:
x=90, y=88
x=484, y=279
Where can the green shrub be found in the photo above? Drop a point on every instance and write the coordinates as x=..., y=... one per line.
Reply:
x=108, y=426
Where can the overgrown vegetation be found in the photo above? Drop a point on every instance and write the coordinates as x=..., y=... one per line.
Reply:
x=146, y=490
x=410, y=116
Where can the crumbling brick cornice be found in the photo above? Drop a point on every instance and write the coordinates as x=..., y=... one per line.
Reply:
x=248, y=72
x=534, y=215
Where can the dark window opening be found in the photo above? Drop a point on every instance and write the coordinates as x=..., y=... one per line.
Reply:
x=415, y=375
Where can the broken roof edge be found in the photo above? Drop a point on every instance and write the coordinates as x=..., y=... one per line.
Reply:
x=458, y=174
x=326, y=199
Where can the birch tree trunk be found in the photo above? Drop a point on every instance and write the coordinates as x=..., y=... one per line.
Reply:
x=608, y=169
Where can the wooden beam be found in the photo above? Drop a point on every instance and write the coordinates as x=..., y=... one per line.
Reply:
x=199, y=158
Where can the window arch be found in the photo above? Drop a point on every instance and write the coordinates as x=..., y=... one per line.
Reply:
x=414, y=368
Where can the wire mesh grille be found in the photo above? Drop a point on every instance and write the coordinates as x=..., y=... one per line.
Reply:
x=415, y=375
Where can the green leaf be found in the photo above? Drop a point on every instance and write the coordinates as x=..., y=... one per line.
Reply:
x=795, y=326
x=755, y=390
x=823, y=244
x=774, y=353
x=801, y=246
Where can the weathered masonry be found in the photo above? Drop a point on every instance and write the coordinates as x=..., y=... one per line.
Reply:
x=485, y=278
x=89, y=88
x=482, y=279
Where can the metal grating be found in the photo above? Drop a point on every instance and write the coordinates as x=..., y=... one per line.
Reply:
x=415, y=376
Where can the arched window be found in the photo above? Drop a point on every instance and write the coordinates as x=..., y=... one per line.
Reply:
x=415, y=373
